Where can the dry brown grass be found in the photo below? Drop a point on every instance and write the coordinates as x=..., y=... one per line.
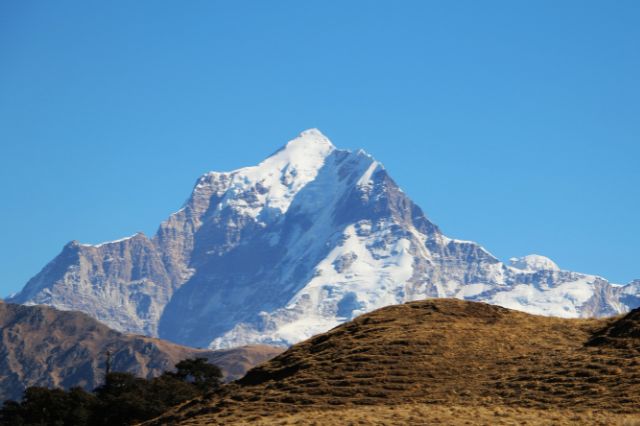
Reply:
x=421, y=414
x=444, y=361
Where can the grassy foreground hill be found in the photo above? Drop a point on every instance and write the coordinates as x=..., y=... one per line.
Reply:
x=42, y=346
x=441, y=361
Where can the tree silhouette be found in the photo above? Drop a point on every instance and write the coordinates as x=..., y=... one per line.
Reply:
x=206, y=377
x=123, y=399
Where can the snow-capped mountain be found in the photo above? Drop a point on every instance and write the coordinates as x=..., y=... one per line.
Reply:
x=309, y=238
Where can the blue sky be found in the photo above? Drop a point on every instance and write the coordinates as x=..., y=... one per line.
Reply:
x=514, y=124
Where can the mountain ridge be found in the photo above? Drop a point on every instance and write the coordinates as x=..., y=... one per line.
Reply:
x=307, y=239
x=42, y=346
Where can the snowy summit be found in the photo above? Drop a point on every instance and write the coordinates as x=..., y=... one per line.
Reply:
x=533, y=262
x=311, y=237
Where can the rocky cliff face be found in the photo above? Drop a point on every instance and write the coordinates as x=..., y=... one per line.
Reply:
x=309, y=238
x=41, y=346
x=124, y=283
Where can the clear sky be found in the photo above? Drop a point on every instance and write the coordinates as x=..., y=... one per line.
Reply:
x=515, y=124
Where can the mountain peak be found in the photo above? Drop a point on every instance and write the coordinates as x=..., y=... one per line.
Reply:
x=533, y=262
x=266, y=190
x=313, y=132
x=310, y=142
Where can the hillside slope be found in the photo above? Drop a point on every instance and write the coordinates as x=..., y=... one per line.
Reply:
x=41, y=346
x=444, y=358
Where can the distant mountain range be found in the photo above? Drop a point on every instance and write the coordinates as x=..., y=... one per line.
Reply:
x=311, y=237
x=41, y=346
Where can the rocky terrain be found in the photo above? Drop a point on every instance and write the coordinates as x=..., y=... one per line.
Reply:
x=441, y=361
x=311, y=237
x=41, y=346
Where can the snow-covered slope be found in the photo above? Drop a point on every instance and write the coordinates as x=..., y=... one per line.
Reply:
x=309, y=238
